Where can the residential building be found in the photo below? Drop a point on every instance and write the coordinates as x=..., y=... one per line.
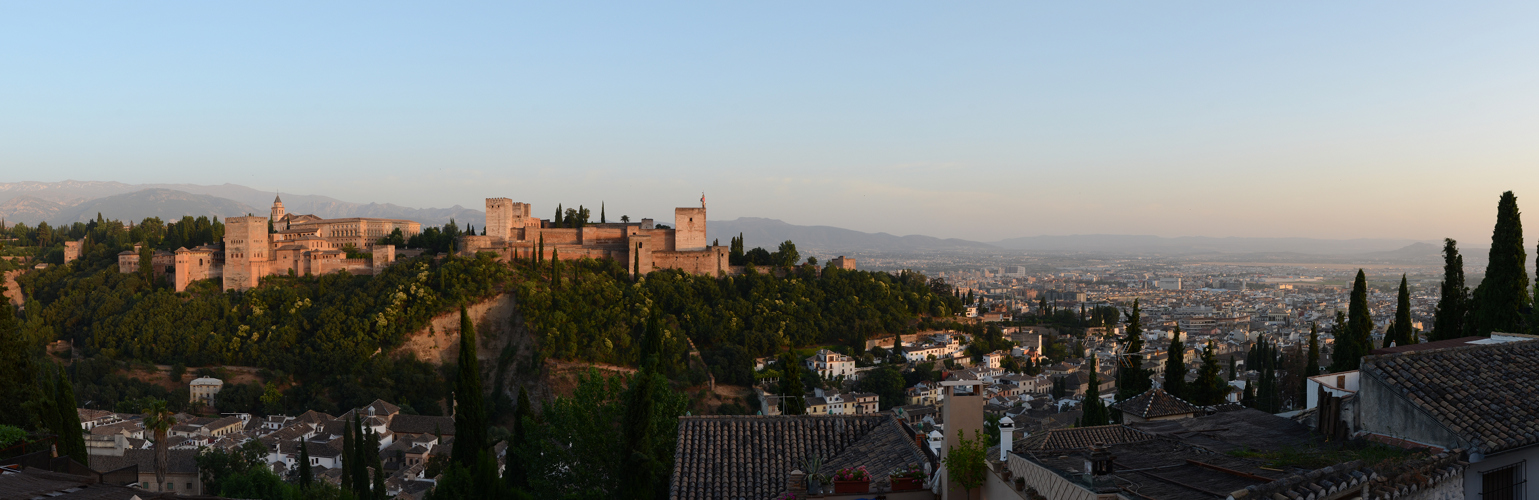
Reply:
x=829, y=364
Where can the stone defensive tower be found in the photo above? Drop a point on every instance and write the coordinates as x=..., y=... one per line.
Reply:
x=506, y=219
x=689, y=228
x=246, y=251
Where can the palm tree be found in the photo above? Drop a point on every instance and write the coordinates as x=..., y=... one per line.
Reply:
x=159, y=419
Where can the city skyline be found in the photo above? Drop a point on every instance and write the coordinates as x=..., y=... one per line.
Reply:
x=981, y=122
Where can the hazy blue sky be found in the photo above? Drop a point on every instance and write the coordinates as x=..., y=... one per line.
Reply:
x=959, y=119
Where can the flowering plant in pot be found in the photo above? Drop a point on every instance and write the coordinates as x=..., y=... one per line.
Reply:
x=787, y=496
x=852, y=480
x=910, y=477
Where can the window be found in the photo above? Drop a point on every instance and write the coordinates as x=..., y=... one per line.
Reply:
x=1505, y=483
x=189, y=486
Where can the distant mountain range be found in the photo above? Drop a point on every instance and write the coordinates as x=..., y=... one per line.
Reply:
x=768, y=233
x=71, y=201
x=74, y=201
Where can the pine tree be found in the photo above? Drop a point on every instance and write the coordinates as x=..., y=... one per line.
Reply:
x=1209, y=388
x=470, y=423
x=1095, y=410
x=1403, y=333
x=1448, y=321
x=1502, y=297
x=1175, y=366
x=306, y=475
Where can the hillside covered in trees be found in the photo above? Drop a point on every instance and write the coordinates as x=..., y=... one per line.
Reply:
x=316, y=332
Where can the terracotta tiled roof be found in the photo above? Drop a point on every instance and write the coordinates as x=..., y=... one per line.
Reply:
x=422, y=424
x=1083, y=437
x=1155, y=403
x=751, y=456
x=1486, y=394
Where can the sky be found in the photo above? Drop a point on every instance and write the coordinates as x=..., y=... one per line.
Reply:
x=976, y=120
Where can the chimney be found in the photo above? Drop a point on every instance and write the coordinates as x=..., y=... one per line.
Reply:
x=1100, y=460
x=1006, y=428
x=936, y=441
x=796, y=483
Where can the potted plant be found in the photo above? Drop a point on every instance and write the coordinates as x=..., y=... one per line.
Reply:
x=852, y=480
x=814, y=480
x=1020, y=484
x=907, y=478
x=786, y=496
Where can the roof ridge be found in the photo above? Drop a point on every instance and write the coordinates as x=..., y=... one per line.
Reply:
x=1442, y=350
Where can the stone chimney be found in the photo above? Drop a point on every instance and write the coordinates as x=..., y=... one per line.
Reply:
x=1100, y=460
x=796, y=483
x=1006, y=429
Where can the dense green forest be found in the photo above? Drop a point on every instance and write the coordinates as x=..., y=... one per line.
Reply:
x=310, y=332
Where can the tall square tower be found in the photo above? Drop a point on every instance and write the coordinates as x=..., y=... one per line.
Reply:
x=246, y=250
x=689, y=229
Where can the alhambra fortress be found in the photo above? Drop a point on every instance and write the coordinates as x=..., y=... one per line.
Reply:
x=285, y=243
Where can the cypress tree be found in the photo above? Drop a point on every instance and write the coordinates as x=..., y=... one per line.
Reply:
x=1448, y=321
x=1312, y=361
x=514, y=473
x=791, y=385
x=1231, y=367
x=1248, y=397
x=1209, y=388
x=470, y=412
x=306, y=476
x=1132, y=378
x=1095, y=410
x=540, y=255
x=1501, y=299
x=603, y=219
x=558, y=221
x=1175, y=366
x=1353, y=337
x=378, y=476
x=636, y=425
x=348, y=454
x=1403, y=333
x=70, y=440
x=360, y=454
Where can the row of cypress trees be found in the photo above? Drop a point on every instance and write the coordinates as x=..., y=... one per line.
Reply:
x=1501, y=303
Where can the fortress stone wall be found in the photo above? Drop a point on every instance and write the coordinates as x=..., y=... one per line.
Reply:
x=639, y=246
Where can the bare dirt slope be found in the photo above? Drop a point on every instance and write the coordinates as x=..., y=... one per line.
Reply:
x=12, y=291
x=505, y=348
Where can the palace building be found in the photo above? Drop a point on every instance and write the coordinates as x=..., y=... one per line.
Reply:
x=511, y=233
x=281, y=243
